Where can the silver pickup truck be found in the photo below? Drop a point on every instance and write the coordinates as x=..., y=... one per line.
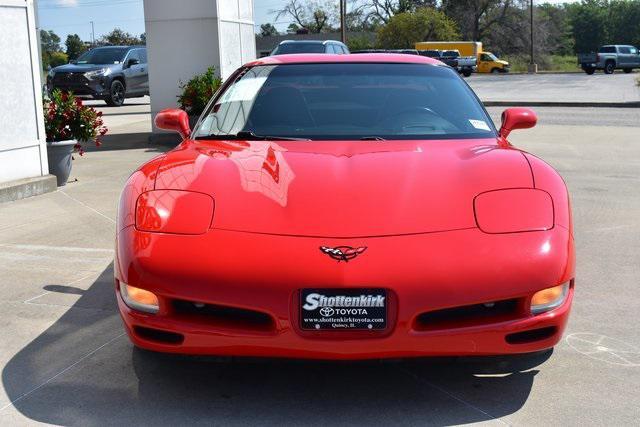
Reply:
x=466, y=64
x=609, y=58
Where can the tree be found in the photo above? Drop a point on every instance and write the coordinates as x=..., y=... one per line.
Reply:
x=58, y=58
x=293, y=28
x=384, y=10
x=476, y=18
x=49, y=44
x=119, y=37
x=405, y=29
x=267, y=30
x=75, y=46
x=589, y=22
x=315, y=16
x=49, y=41
x=143, y=38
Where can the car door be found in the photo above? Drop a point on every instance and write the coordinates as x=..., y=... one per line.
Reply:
x=133, y=72
x=484, y=65
x=144, y=70
x=634, y=56
x=624, y=56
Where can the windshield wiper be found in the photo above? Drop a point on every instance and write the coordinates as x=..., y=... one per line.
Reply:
x=250, y=136
x=372, y=138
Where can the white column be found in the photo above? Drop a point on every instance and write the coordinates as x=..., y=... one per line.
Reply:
x=23, y=152
x=184, y=38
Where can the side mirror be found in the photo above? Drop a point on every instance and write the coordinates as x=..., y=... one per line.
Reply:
x=175, y=120
x=131, y=62
x=517, y=118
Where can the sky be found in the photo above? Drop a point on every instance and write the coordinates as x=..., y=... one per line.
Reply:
x=73, y=16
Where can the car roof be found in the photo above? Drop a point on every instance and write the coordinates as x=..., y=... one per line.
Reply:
x=120, y=47
x=306, y=58
x=309, y=41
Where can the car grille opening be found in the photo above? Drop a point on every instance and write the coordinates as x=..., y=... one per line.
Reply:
x=531, y=336
x=224, y=316
x=468, y=315
x=157, y=335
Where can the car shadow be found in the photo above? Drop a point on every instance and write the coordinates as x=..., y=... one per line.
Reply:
x=83, y=371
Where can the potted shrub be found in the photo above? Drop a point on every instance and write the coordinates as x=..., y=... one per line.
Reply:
x=197, y=92
x=68, y=125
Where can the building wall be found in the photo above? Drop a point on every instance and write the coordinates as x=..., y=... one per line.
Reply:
x=183, y=41
x=22, y=139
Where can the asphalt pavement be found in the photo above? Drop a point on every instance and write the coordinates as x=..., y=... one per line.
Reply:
x=566, y=88
x=65, y=360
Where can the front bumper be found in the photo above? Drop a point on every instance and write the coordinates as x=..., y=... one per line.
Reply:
x=423, y=273
x=81, y=86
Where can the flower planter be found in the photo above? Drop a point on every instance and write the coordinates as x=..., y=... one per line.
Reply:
x=60, y=154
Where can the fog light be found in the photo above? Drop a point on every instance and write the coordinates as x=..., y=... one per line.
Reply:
x=139, y=299
x=548, y=299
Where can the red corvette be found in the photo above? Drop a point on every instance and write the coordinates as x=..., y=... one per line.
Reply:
x=345, y=207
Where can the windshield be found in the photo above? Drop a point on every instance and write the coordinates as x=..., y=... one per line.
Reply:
x=334, y=101
x=109, y=55
x=287, y=48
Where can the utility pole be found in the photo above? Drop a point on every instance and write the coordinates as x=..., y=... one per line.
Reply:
x=343, y=21
x=533, y=67
x=93, y=35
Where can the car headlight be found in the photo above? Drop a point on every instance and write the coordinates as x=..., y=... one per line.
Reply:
x=548, y=299
x=174, y=211
x=514, y=210
x=139, y=299
x=97, y=73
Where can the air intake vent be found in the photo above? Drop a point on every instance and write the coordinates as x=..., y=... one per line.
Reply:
x=468, y=315
x=224, y=316
x=158, y=335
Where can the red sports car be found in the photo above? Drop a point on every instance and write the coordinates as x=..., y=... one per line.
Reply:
x=345, y=207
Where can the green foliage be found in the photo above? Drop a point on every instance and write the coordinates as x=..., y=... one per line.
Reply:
x=197, y=92
x=49, y=44
x=359, y=43
x=598, y=22
x=556, y=63
x=65, y=118
x=267, y=30
x=117, y=37
x=405, y=29
x=58, y=58
x=75, y=46
x=49, y=41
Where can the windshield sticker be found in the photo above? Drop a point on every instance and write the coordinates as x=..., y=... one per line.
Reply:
x=479, y=124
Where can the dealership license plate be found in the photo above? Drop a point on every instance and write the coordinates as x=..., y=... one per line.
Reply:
x=343, y=309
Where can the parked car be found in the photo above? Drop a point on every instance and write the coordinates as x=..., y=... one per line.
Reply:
x=609, y=58
x=437, y=54
x=345, y=209
x=486, y=62
x=310, y=46
x=466, y=64
x=110, y=73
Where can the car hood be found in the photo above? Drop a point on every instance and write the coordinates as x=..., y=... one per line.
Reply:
x=81, y=68
x=342, y=188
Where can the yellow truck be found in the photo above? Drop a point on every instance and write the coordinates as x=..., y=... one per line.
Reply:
x=486, y=61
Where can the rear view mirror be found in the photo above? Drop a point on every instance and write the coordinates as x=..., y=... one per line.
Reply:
x=517, y=118
x=131, y=62
x=175, y=120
